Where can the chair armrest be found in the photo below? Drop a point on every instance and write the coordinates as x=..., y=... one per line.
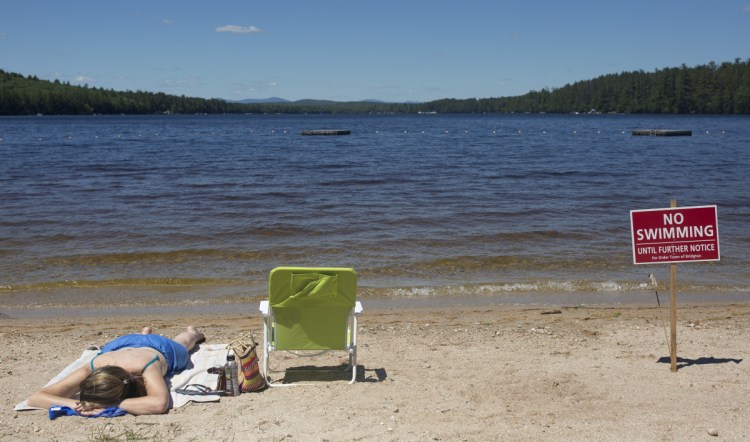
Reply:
x=263, y=307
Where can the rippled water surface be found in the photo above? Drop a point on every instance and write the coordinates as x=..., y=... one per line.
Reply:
x=200, y=208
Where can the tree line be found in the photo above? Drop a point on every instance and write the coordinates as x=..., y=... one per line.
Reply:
x=705, y=89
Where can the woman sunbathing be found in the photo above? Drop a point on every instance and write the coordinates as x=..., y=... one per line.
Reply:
x=128, y=373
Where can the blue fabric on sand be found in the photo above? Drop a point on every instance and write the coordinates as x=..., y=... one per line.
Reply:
x=176, y=354
x=56, y=411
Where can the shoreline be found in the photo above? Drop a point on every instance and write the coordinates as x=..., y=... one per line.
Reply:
x=141, y=306
x=479, y=372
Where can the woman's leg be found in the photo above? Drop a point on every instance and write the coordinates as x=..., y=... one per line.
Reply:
x=189, y=337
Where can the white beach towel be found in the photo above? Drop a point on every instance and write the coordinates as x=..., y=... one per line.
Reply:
x=207, y=356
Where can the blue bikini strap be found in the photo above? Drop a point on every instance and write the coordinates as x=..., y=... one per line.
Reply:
x=92, y=360
x=156, y=358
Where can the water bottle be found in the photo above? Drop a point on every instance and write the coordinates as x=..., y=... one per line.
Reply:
x=230, y=372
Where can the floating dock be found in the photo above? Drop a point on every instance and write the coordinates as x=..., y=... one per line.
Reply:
x=326, y=132
x=663, y=133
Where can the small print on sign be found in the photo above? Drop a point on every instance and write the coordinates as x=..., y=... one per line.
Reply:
x=676, y=234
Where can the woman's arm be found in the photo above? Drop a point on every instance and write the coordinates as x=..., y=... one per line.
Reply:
x=61, y=392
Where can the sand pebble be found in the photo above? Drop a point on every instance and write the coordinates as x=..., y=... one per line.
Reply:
x=713, y=432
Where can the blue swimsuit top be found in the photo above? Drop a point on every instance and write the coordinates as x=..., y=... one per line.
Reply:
x=156, y=358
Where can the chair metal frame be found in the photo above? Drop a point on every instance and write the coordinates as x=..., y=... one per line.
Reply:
x=269, y=341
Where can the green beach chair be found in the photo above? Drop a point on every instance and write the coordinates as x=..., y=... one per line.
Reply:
x=310, y=309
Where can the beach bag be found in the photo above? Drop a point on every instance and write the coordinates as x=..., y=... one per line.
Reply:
x=249, y=376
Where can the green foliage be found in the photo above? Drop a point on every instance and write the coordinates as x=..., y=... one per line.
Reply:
x=108, y=433
x=705, y=89
x=31, y=96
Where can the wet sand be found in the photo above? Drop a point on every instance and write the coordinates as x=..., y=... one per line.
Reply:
x=227, y=299
x=450, y=373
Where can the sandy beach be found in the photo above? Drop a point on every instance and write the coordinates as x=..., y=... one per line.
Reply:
x=453, y=373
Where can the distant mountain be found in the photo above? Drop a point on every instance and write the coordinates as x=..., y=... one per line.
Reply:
x=262, y=100
x=366, y=101
x=313, y=101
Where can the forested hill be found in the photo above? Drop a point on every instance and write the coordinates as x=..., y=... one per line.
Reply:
x=706, y=89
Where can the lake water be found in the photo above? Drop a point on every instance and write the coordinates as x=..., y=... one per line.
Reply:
x=108, y=211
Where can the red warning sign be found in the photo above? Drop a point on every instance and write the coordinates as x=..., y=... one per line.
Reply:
x=676, y=234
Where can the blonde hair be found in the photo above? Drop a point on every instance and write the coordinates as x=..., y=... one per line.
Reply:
x=110, y=385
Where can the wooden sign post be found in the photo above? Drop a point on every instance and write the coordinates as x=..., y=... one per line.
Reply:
x=673, y=310
x=670, y=236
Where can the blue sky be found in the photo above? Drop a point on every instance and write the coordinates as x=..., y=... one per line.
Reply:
x=408, y=50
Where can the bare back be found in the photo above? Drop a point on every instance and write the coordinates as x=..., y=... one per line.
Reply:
x=134, y=360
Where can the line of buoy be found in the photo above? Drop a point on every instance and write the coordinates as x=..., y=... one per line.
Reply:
x=635, y=132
